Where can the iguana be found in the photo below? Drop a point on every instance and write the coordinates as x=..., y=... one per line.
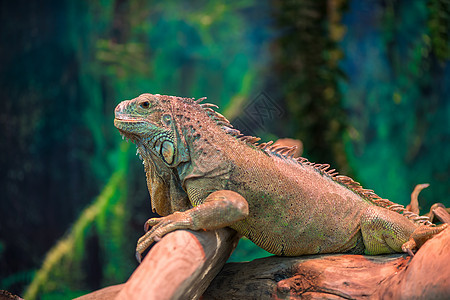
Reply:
x=203, y=174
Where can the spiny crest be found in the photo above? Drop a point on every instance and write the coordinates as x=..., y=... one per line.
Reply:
x=223, y=122
x=217, y=117
x=366, y=193
x=287, y=153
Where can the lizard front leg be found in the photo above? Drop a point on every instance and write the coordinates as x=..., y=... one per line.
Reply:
x=220, y=209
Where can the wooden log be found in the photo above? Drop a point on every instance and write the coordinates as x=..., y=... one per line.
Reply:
x=181, y=265
x=413, y=206
x=165, y=275
x=310, y=277
x=427, y=276
x=109, y=292
x=395, y=276
x=442, y=214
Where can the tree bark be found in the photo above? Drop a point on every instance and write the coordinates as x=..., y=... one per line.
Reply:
x=396, y=276
x=180, y=266
x=183, y=263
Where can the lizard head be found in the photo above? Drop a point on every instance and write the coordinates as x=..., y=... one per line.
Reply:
x=147, y=121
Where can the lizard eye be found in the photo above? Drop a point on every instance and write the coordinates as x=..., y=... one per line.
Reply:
x=145, y=104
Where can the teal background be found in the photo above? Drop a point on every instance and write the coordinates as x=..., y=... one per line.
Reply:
x=364, y=85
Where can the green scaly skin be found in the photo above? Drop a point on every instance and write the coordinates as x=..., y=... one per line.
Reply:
x=202, y=174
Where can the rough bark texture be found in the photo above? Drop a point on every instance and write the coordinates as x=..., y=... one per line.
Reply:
x=312, y=277
x=341, y=276
x=442, y=214
x=397, y=276
x=109, y=292
x=426, y=277
x=180, y=266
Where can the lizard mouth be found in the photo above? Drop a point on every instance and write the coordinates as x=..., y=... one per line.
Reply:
x=127, y=119
x=121, y=121
x=127, y=126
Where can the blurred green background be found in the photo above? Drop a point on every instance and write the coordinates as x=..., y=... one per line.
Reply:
x=364, y=84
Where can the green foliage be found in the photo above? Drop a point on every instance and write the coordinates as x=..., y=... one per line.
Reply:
x=200, y=50
x=307, y=57
x=396, y=106
x=62, y=270
x=439, y=28
x=18, y=277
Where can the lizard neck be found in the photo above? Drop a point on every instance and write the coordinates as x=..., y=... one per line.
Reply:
x=158, y=181
x=204, y=141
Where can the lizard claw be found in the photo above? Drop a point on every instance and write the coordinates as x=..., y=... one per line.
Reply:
x=159, y=228
x=151, y=222
x=408, y=246
x=410, y=252
x=138, y=256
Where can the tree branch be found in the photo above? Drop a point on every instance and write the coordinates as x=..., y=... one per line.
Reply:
x=340, y=276
x=184, y=263
x=181, y=265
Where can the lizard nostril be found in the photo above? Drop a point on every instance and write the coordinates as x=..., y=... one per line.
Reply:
x=121, y=107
